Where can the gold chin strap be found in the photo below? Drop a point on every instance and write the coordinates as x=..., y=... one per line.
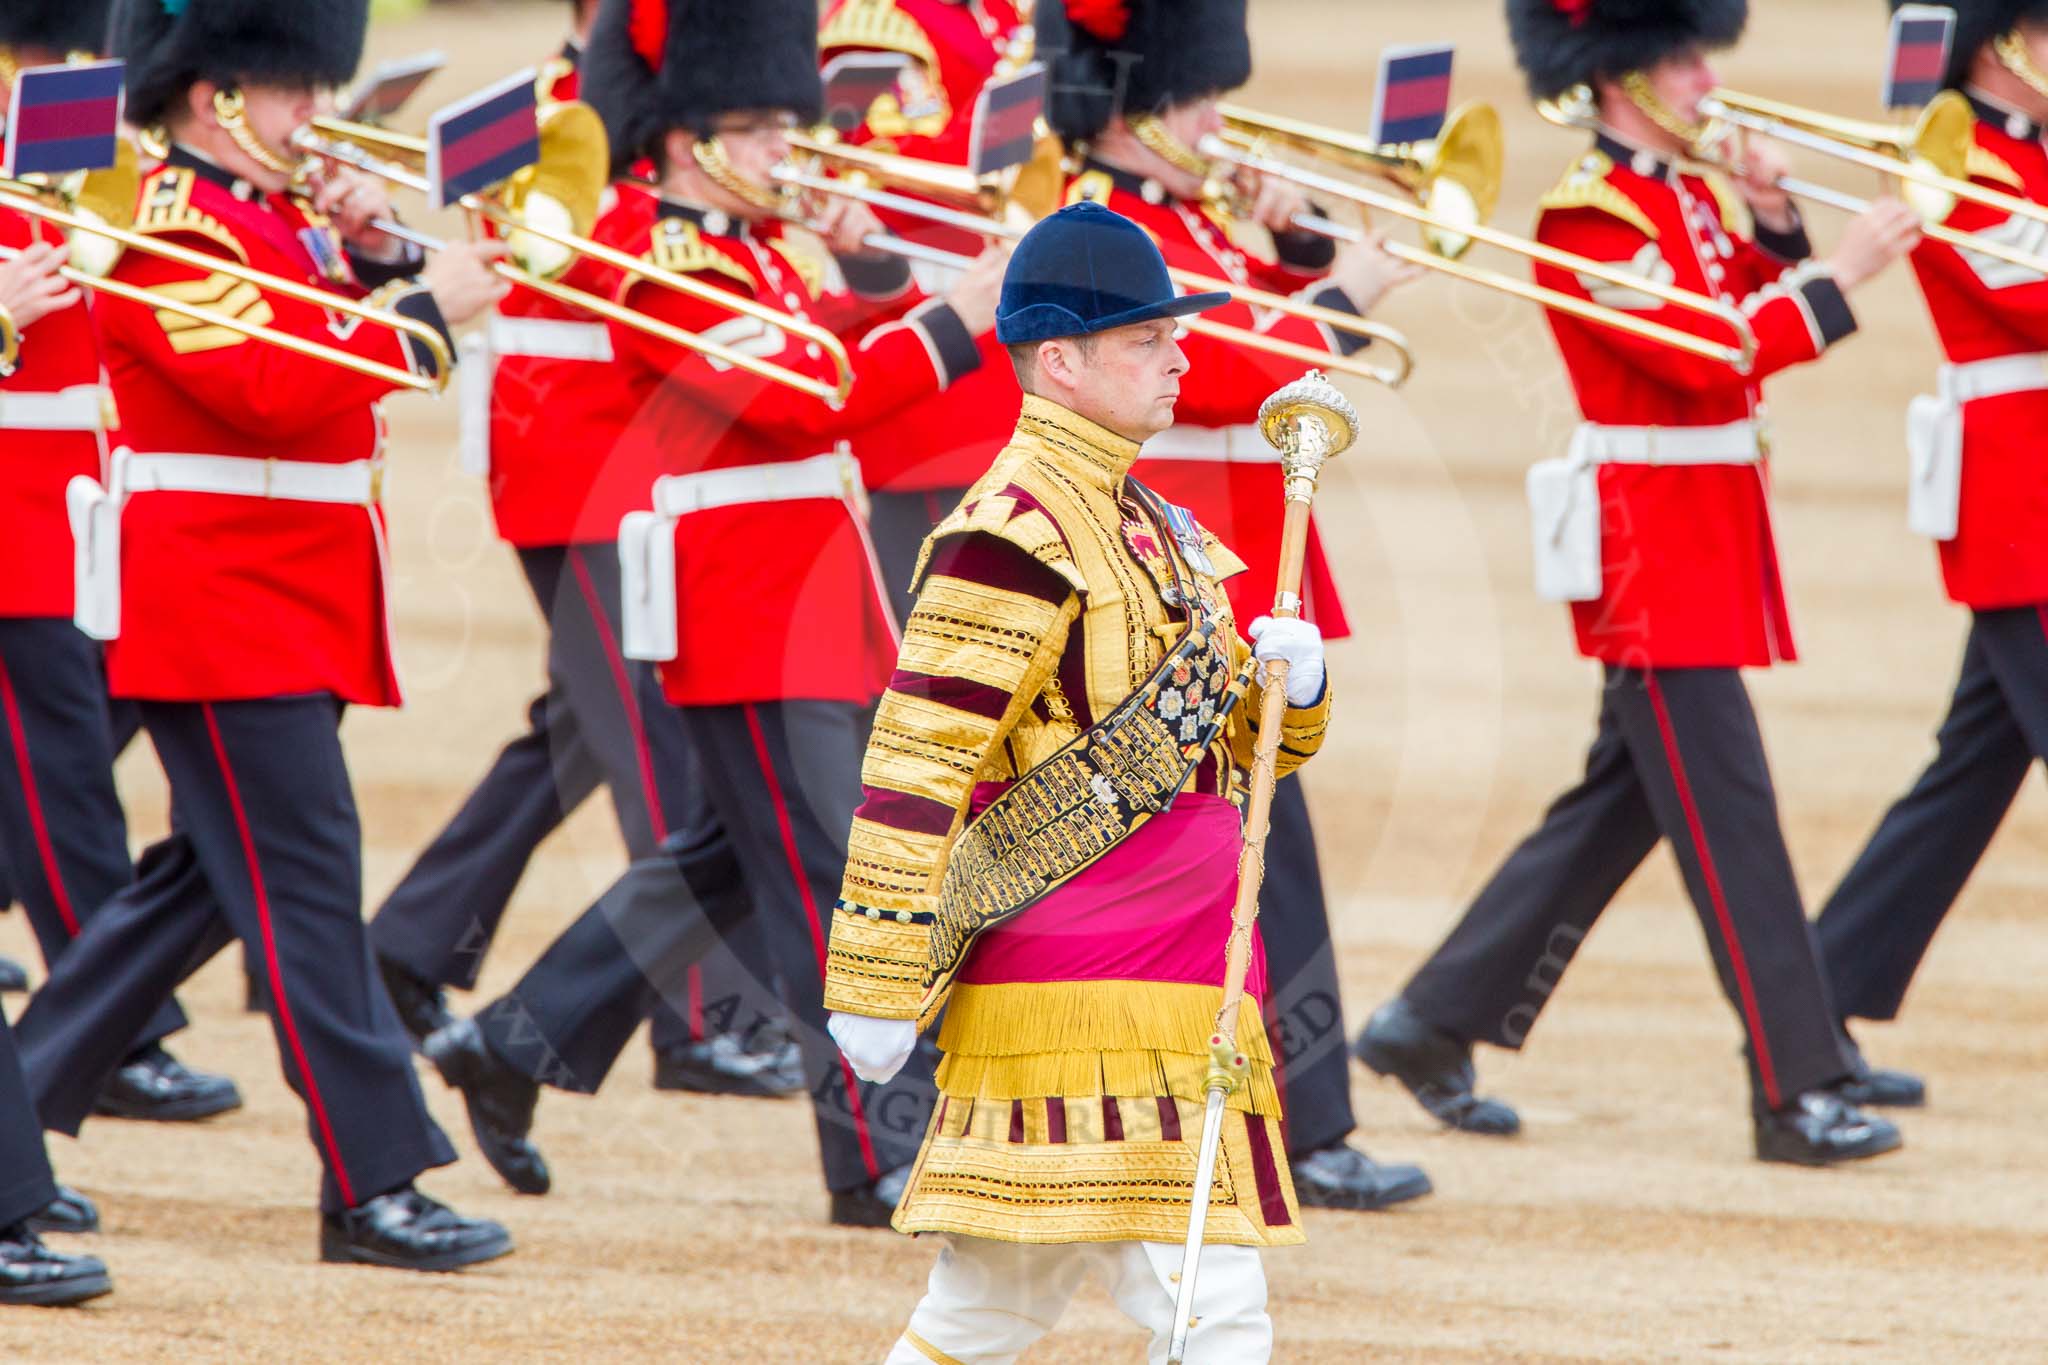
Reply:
x=711, y=159
x=1658, y=112
x=2011, y=50
x=9, y=67
x=1154, y=135
x=1218, y=192
x=227, y=107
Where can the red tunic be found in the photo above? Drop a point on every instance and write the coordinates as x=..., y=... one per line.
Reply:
x=58, y=354
x=1688, y=559
x=559, y=473
x=1235, y=494
x=775, y=600
x=1982, y=309
x=228, y=597
x=948, y=441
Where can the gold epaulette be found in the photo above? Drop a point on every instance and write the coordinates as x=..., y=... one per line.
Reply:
x=880, y=25
x=996, y=514
x=1737, y=219
x=679, y=248
x=1985, y=164
x=166, y=208
x=808, y=257
x=1090, y=187
x=1585, y=186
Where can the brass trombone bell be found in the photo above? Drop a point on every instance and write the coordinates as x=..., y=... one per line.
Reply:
x=1456, y=175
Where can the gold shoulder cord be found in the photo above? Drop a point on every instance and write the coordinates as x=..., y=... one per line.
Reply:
x=2012, y=53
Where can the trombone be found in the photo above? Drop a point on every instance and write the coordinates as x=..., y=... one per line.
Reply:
x=952, y=182
x=1930, y=157
x=572, y=140
x=21, y=198
x=1457, y=178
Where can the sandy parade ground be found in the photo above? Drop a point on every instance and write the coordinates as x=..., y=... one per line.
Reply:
x=1627, y=1223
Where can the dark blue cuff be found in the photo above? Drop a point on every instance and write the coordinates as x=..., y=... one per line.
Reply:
x=418, y=304
x=1829, y=308
x=1790, y=247
x=373, y=274
x=1335, y=299
x=952, y=345
x=875, y=277
x=1300, y=249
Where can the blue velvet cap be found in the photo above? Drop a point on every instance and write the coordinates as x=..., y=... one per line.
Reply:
x=1086, y=270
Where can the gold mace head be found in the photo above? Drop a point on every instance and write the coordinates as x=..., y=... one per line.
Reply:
x=1308, y=422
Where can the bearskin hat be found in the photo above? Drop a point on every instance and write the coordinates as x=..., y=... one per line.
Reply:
x=1979, y=22
x=1563, y=43
x=654, y=65
x=1111, y=57
x=61, y=26
x=171, y=45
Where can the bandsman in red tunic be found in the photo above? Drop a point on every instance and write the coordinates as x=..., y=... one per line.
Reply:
x=1657, y=528
x=1978, y=490
x=31, y=293
x=61, y=824
x=542, y=409
x=919, y=462
x=239, y=553
x=1134, y=89
x=751, y=581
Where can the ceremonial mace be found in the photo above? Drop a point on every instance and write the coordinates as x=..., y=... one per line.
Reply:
x=1308, y=422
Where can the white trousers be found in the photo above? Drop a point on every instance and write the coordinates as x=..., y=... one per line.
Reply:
x=989, y=1301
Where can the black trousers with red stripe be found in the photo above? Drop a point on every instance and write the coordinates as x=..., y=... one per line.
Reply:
x=26, y=1182
x=1305, y=1010
x=1876, y=928
x=782, y=782
x=268, y=850
x=61, y=823
x=1678, y=755
x=602, y=721
x=898, y=524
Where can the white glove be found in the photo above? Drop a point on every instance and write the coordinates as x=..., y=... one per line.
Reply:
x=878, y=1048
x=1301, y=645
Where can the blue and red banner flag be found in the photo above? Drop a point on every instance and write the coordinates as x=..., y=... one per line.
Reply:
x=1921, y=38
x=484, y=140
x=1414, y=93
x=63, y=119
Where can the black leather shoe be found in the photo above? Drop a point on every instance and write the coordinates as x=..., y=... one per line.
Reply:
x=1342, y=1177
x=13, y=977
x=499, y=1099
x=31, y=1273
x=723, y=1065
x=406, y=1230
x=156, y=1086
x=1879, y=1086
x=70, y=1212
x=872, y=1205
x=1436, y=1068
x=1820, y=1128
x=422, y=1006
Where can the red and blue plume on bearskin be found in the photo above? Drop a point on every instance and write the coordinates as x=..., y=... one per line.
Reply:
x=1563, y=43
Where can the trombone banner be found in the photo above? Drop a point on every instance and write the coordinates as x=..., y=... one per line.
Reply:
x=64, y=118
x=1918, y=64
x=1414, y=93
x=484, y=140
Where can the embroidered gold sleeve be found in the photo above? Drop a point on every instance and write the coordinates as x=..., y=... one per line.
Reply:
x=979, y=640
